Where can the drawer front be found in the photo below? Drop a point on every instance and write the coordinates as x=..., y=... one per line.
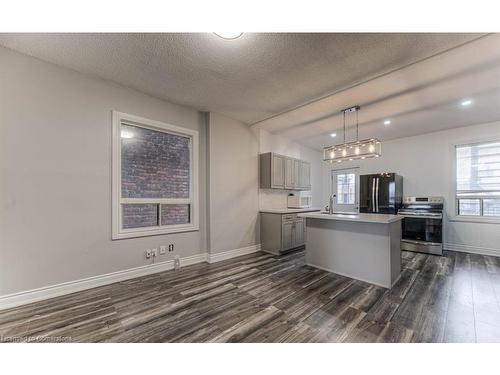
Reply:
x=288, y=217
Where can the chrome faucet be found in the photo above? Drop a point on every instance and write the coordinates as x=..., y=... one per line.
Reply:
x=330, y=204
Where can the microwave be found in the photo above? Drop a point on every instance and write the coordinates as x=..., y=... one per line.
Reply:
x=297, y=201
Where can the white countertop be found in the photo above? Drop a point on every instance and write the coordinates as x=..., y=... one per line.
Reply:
x=289, y=210
x=362, y=218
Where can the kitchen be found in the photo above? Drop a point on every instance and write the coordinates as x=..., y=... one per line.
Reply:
x=412, y=223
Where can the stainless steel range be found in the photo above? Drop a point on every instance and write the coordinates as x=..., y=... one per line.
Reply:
x=422, y=224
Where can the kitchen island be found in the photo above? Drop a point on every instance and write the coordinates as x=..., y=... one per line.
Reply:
x=361, y=246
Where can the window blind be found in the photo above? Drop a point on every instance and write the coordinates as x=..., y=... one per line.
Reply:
x=478, y=179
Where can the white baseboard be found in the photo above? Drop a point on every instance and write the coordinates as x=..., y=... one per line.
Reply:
x=472, y=249
x=29, y=296
x=218, y=257
x=22, y=298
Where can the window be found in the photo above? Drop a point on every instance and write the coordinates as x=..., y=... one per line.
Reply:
x=478, y=180
x=155, y=179
x=346, y=188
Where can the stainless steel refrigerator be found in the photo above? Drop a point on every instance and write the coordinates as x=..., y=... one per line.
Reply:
x=380, y=193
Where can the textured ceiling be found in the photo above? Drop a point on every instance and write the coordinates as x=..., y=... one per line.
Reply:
x=251, y=79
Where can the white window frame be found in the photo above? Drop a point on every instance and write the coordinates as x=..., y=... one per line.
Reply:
x=454, y=204
x=118, y=232
x=356, y=170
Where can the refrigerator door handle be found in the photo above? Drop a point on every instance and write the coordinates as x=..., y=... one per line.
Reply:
x=373, y=195
x=376, y=193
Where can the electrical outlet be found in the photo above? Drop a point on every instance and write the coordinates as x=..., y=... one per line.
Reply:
x=154, y=253
x=163, y=250
x=171, y=247
x=148, y=253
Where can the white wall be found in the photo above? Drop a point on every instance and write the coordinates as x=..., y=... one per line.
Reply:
x=281, y=145
x=426, y=163
x=233, y=185
x=55, y=175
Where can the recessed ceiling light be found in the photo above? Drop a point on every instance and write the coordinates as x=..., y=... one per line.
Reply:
x=333, y=135
x=387, y=122
x=466, y=102
x=229, y=35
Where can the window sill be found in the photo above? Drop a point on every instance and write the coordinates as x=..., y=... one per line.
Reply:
x=473, y=219
x=154, y=232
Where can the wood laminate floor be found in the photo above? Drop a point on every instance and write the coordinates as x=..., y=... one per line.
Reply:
x=264, y=298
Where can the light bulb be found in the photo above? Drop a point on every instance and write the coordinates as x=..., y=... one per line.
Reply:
x=371, y=148
x=344, y=152
x=332, y=154
x=356, y=150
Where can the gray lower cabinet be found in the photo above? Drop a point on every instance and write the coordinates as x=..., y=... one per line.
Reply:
x=282, y=172
x=281, y=232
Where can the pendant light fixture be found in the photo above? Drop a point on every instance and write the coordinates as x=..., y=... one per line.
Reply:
x=364, y=149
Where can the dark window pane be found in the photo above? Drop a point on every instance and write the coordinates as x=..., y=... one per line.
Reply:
x=154, y=164
x=139, y=215
x=172, y=214
x=491, y=207
x=470, y=207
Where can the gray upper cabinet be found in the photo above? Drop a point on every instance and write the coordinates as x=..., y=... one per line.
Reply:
x=272, y=171
x=296, y=173
x=289, y=174
x=305, y=175
x=282, y=172
x=278, y=172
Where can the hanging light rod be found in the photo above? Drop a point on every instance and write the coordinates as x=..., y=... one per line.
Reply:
x=351, y=109
x=359, y=149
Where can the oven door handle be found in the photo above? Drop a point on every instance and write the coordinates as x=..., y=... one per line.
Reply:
x=422, y=216
x=421, y=242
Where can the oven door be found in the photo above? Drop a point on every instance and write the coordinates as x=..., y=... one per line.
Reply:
x=421, y=228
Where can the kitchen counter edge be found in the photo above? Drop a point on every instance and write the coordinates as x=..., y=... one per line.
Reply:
x=284, y=211
x=361, y=218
